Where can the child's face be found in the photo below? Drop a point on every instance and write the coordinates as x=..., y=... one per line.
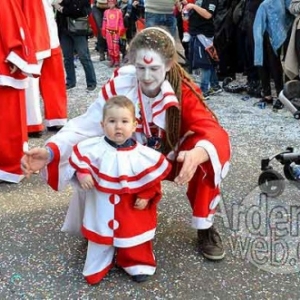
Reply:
x=111, y=4
x=119, y=124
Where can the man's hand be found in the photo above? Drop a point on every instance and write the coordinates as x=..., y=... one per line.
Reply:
x=190, y=161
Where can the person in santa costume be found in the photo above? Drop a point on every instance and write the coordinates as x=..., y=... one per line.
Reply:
x=52, y=89
x=112, y=30
x=172, y=117
x=122, y=179
x=17, y=61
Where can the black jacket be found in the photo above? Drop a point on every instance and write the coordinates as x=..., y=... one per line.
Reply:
x=73, y=9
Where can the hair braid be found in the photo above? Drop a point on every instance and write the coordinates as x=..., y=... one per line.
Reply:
x=173, y=116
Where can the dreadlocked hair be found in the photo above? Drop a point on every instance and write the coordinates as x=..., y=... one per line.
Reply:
x=176, y=76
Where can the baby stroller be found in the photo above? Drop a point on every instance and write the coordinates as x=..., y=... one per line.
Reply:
x=290, y=97
x=270, y=181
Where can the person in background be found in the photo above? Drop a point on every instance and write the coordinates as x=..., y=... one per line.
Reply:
x=41, y=20
x=184, y=17
x=172, y=118
x=134, y=186
x=17, y=61
x=97, y=12
x=160, y=13
x=112, y=29
x=201, y=27
x=71, y=43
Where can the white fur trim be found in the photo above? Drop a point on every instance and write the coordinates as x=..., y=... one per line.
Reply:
x=140, y=270
x=203, y=223
x=10, y=177
x=213, y=204
x=214, y=158
x=225, y=169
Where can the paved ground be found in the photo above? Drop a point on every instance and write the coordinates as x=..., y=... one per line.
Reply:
x=37, y=261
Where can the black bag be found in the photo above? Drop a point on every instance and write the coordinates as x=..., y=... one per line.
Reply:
x=79, y=26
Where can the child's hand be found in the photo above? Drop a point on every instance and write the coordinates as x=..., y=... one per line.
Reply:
x=140, y=204
x=85, y=180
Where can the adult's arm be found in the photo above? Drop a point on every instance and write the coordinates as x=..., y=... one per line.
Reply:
x=203, y=131
x=57, y=172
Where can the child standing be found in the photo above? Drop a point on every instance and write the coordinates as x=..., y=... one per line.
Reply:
x=112, y=29
x=180, y=8
x=122, y=179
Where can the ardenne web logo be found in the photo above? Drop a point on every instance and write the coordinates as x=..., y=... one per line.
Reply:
x=265, y=230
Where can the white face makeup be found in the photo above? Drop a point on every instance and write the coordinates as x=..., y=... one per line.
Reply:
x=151, y=71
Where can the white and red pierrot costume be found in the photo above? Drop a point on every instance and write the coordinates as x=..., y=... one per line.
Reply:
x=198, y=128
x=120, y=175
x=16, y=48
x=51, y=84
x=112, y=29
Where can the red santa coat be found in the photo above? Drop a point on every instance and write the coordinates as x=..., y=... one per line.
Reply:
x=121, y=175
x=16, y=47
x=198, y=128
x=37, y=22
x=40, y=17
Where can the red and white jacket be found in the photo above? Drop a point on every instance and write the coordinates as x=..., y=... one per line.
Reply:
x=120, y=175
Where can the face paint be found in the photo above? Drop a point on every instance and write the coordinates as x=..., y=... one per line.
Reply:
x=151, y=71
x=148, y=60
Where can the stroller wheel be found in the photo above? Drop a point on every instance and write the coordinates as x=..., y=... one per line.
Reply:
x=271, y=183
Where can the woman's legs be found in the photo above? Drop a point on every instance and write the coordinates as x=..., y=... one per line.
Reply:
x=67, y=46
x=82, y=49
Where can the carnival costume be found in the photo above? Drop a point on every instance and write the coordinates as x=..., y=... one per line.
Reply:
x=112, y=30
x=120, y=175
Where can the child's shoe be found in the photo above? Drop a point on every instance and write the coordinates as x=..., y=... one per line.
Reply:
x=186, y=37
x=140, y=278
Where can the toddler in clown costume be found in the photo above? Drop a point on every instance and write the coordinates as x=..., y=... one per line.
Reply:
x=122, y=179
x=112, y=29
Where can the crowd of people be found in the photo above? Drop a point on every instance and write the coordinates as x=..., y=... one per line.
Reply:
x=151, y=114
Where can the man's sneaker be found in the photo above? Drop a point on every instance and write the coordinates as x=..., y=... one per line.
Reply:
x=210, y=244
x=90, y=88
x=206, y=95
x=186, y=37
x=277, y=105
x=216, y=90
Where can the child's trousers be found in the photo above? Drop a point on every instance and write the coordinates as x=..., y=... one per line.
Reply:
x=134, y=260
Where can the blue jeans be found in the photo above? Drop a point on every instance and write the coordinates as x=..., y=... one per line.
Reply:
x=70, y=44
x=167, y=20
x=208, y=79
